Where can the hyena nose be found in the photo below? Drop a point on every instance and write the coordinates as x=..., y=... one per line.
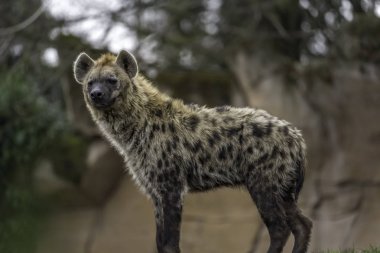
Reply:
x=97, y=94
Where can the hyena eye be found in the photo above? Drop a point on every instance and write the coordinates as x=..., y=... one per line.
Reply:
x=90, y=82
x=112, y=80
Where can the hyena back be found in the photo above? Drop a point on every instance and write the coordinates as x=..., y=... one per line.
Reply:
x=171, y=148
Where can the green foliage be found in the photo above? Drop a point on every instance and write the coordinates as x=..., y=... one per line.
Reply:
x=360, y=39
x=31, y=127
x=69, y=166
x=205, y=34
x=28, y=123
x=22, y=217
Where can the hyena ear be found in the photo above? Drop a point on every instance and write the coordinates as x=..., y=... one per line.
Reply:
x=82, y=65
x=127, y=62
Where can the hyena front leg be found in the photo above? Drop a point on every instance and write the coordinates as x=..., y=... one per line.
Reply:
x=168, y=212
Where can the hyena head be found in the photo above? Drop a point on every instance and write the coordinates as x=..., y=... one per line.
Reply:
x=107, y=80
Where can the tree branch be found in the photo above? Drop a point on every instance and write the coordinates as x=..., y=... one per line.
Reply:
x=27, y=22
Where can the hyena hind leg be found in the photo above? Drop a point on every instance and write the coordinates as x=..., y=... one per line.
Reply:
x=300, y=226
x=273, y=214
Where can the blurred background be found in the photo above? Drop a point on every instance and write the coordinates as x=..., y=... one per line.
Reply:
x=314, y=63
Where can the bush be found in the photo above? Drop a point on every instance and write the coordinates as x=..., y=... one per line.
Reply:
x=29, y=125
x=22, y=218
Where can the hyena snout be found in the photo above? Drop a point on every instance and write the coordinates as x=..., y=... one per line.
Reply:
x=100, y=96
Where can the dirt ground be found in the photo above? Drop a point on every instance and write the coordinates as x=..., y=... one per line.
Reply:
x=220, y=221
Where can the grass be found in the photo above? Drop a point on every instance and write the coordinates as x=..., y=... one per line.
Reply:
x=371, y=249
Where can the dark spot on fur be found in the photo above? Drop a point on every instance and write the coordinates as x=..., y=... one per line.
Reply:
x=172, y=127
x=239, y=159
x=158, y=112
x=131, y=134
x=160, y=178
x=159, y=163
x=125, y=127
x=281, y=168
x=197, y=146
x=176, y=168
x=193, y=122
x=204, y=158
x=163, y=155
x=211, y=141
x=230, y=150
x=265, y=180
x=257, y=131
x=187, y=145
x=214, y=138
x=151, y=134
x=175, y=141
x=285, y=130
x=233, y=131
x=151, y=176
x=166, y=176
x=206, y=178
x=222, y=154
x=223, y=173
x=155, y=127
x=139, y=150
x=168, y=146
x=275, y=152
x=172, y=174
x=262, y=158
x=241, y=139
x=250, y=150
x=163, y=128
x=169, y=188
x=136, y=141
x=191, y=147
x=269, y=128
x=174, y=144
x=290, y=142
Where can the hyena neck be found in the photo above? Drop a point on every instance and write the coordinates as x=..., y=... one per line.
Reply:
x=139, y=107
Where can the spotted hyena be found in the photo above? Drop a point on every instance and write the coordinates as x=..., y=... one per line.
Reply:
x=171, y=149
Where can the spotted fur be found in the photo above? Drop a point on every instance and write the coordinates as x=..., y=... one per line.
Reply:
x=171, y=149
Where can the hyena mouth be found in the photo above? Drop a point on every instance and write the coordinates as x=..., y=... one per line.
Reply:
x=103, y=104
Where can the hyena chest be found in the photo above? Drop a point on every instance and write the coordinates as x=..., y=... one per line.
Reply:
x=141, y=177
